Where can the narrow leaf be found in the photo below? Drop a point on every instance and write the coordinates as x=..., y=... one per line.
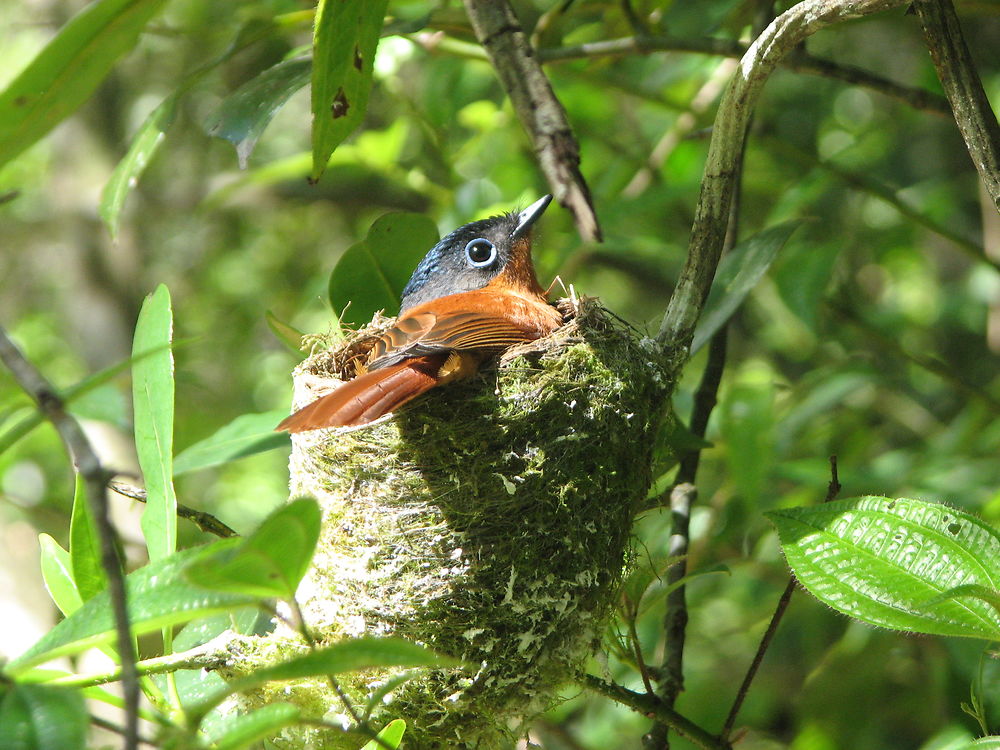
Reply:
x=243, y=115
x=271, y=561
x=158, y=596
x=39, y=717
x=144, y=145
x=84, y=546
x=344, y=41
x=243, y=730
x=68, y=70
x=153, y=401
x=391, y=735
x=886, y=562
x=244, y=436
x=288, y=335
x=371, y=275
x=57, y=572
x=738, y=273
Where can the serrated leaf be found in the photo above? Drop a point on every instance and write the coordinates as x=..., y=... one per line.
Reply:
x=242, y=116
x=84, y=546
x=40, y=717
x=158, y=596
x=345, y=38
x=57, y=573
x=271, y=561
x=68, y=70
x=243, y=730
x=883, y=561
x=244, y=436
x=738, y=273
x=371, y=275
x=345, y=656
x=153, y=404
x=391, y=735
x=126, y=174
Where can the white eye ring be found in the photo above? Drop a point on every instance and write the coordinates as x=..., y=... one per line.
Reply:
x=480, y=253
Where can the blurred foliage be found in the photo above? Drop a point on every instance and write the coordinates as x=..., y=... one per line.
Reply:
x=874, y=336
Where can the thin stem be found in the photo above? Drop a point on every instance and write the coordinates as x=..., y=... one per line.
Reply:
x=204, y=521
x=95, y=478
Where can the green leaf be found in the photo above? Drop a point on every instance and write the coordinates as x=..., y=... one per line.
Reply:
x=344, y=42
x=41, y=717
x=738, y=273
x=68, y=70
x=144, y=145
x=85, y=546
x=158, y=596
x=886, y=562
x=244, y=436
x=243, y=115
x=286, y=334
x=271, y=561
x=153, y=402
x=371, y=275
x=345, y=656
x=391, y=735
x=57, y=572
x=243, y=730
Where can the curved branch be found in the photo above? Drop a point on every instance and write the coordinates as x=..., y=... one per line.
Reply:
x=777, y=41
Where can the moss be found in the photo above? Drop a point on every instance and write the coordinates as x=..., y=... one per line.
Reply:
x=488, y=519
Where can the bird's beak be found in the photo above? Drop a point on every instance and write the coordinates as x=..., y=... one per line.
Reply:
x=528, y=217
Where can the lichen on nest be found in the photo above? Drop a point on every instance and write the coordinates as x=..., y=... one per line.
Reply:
x=488, y=519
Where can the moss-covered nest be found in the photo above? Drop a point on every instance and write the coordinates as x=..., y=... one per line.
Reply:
x=488, y=519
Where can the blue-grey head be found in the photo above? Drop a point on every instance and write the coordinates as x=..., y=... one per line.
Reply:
x=474, y=255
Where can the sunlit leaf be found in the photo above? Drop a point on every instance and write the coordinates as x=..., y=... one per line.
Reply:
x=57, y=572
x=85, y=546
x=390, y=736
x=285, y=333
x=271, y=561
x=153, y=403
x=68, y=70
x=344, y=42
x=371, y=275
x=887, y=562
x=41, y=717
x=243, y=730
x=244, y=436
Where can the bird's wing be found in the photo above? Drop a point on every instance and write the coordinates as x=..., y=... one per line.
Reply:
x=428, y=333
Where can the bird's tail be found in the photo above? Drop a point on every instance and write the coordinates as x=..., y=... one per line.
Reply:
x=368, y=396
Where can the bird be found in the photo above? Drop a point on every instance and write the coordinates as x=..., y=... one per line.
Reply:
x=473, y=295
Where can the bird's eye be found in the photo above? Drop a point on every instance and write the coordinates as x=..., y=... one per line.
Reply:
x=480, y=252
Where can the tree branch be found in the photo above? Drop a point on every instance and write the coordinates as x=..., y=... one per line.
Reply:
x=957, y=72
x=95, y=477
x=543, y=117
x=712, y=214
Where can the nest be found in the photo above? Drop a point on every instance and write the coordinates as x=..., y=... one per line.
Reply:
x=489, y=519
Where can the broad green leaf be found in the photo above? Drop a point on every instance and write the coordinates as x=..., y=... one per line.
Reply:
x=153, y=403
x=68, y=70
x=371, y=275
x=57, y=572
x=243, y=115
x=158, y=596
x=886, y=562
x=345, y=656
x=85, y=546
x=42, y=717
x=286, y=334
x=144, y=145
x=391, y=735
x=738, y=273
x=344, y=41
x=271, y=561
x=244, y=436
x=243, y=730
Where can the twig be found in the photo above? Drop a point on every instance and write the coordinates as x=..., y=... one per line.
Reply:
x=653, y=708
x=204, y=521
x=798, y=61
x=728, y=133
x=543, y=117
x=832, y=490
x=961, y=84
x=97, y=721
x=95, y=478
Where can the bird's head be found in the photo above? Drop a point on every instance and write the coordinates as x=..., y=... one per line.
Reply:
x=497, y=249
